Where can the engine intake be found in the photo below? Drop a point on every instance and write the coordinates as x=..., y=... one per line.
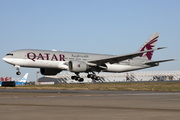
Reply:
x=78, y=66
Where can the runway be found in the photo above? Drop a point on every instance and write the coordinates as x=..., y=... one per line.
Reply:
x=87, y=105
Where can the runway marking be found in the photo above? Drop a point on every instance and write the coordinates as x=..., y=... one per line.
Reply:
x=52, y=96
x=100, y=107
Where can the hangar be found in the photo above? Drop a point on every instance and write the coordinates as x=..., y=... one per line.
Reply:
x=65, y=77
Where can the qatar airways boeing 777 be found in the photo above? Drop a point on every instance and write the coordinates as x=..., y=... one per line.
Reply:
x=53, y=62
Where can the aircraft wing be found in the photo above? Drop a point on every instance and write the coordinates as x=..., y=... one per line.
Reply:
x=153, y=62
x=117, y=59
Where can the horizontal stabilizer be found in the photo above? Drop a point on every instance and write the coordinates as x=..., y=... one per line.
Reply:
x=153, y=62
x=161, y=48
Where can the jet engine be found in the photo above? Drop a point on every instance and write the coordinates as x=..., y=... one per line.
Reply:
x=78, y=66
x=49, y=71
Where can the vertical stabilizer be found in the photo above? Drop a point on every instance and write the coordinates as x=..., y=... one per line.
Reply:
x=24, y=79
x=149, y=45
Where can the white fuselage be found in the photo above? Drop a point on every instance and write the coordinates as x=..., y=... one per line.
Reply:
x=59, y=60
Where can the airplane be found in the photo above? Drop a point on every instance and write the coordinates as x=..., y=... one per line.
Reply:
x=22, y=81
x=53, y=62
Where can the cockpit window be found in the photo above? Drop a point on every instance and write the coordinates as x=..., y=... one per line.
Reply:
x=10, y=54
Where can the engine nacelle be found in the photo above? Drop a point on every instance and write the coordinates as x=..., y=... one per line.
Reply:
x=78, y=66
x=49, y=71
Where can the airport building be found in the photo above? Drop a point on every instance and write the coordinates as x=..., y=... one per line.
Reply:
x=5, y=79
x=2, y=79
x=65, y=77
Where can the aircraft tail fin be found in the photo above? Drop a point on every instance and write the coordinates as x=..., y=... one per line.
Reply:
x=24, y=79
x=149, y=45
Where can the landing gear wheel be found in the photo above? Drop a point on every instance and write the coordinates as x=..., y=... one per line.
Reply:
x=97, y=78
x=18, y=73
x=73, y=77
x=81, y=80
x=77, y=78
x=89, y=75
x=93, y=77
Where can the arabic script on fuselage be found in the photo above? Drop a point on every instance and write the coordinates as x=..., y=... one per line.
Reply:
x=78, y=55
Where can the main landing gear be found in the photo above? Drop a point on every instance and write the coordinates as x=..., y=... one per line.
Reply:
x=17, y=68
x=93, y=76
x=77, y=78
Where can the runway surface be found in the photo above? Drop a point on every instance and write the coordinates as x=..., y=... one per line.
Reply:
x=18, y=104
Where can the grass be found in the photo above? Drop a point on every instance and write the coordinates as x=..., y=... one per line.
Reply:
x=157, y=86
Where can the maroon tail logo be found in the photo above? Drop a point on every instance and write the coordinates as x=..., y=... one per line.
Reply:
x=149, y=46
x=79, y=65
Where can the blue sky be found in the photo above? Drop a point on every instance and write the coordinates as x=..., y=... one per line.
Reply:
x=92, y=26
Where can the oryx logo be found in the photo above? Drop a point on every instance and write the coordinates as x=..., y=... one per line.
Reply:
x=79, y=65
x=149, y=46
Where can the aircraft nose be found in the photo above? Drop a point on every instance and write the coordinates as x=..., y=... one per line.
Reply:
x=4, y=58
x=8, y=60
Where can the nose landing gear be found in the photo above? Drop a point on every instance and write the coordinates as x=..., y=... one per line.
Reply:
x=18, y=73
x=17, y=68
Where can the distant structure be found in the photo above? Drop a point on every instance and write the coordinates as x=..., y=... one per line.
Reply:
x=11, y=81
x=2, y=79
x=5, y=79
x=65, y=77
